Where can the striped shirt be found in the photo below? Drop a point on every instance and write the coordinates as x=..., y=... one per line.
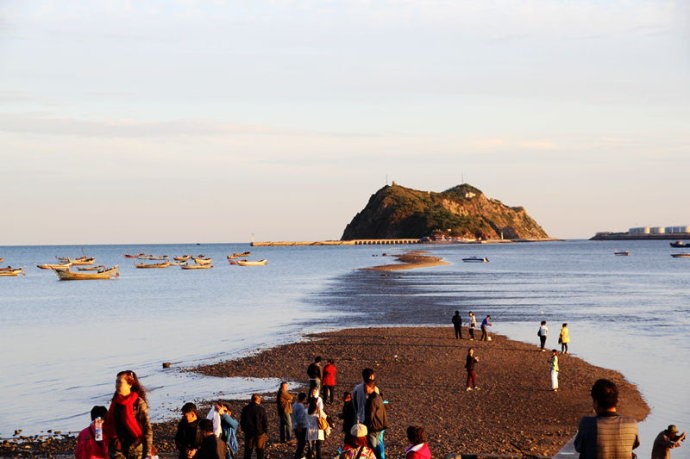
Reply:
x=608, y=436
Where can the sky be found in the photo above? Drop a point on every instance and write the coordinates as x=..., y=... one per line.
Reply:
x=225, y=121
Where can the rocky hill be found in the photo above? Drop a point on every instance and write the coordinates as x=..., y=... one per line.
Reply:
x=462, y=212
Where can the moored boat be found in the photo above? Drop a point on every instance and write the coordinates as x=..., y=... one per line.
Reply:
x=165, y=264
x=153, y=257
x=91, y=268
x=196, y=266
x=10, y=271
x=251, y=262
x=621, y=253
x=77, y=261
x=239, y=255
x=182, y=258
x=680, y=255
x=131, y=255
x=679, y=244
x=66, y=274
x=476, y=260
x=54, y=266
x=202, y=260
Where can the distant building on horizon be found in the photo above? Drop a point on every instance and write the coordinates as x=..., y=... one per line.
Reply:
x=646, y=230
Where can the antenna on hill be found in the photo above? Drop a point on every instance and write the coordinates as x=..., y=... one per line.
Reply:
x=462, y=178
x=386, y=179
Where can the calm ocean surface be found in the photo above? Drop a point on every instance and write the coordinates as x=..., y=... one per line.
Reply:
x=63, y=342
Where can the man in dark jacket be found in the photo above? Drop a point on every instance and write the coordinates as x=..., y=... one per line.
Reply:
x=188, y=438
x=376, y=420
x=211, y=447
x=457, y=325
x=254, y=423
x=315, y=374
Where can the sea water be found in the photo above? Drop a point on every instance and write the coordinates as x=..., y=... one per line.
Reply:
x=63, y=342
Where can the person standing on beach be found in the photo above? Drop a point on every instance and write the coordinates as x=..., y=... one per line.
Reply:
x=473, y=325
x=348, y=415
x=486, y=323
x=211, y=446
x=359, y=396
x=553, y=365
x=91, y=444
x=127, y=425
x=608, y=434
x=284, y=406
x=254, y=423
x=299, y=421
x=315, y=374
x=418, y=449
x=329, y=380
x=564, y=338
x=376, y=420
x=665, y=441
x=470, y=362
x=457, y=325
x=541, y=333
x=188, y=436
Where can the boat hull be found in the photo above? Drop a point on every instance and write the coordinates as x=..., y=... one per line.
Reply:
x=66, y=274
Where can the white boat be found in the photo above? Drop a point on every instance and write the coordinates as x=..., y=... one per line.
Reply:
x=251, y=262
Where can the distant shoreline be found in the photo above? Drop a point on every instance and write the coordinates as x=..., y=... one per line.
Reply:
x=639, y=237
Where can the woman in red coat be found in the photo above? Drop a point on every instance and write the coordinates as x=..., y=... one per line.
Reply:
x=418, y=449
x=328, y=381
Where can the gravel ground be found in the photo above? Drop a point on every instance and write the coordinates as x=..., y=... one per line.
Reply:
x=420, y=371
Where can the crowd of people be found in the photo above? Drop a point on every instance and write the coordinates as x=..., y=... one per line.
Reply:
x=123, y=431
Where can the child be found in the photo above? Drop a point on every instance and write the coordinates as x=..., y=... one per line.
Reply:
x=88, y=446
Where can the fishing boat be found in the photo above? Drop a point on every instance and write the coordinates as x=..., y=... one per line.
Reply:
x=251, y=262
x=131, y=255
x=680, y=255
x=54, y=266
x=66, y=274
x=475, y=260
x=679, y=244
x=202, y=260
x=165, y=264
x=182, y=258
x=621, y=253
x=196, y=266
x=77, y=261
x=153, y=257
x=91, y=268
x=1, y=259
x=10, y=271
x=239, y=255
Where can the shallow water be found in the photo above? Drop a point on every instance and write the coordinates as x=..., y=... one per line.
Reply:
x=63, y=342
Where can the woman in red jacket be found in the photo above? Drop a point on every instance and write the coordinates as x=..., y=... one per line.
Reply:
x=328, y=381
x=418, y=449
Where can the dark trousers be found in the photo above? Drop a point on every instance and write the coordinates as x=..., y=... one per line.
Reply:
x=328, y=393
x=301, y=435
x=485, y=335
x=471, y=332
x=254, y=441
x=315, y=449
x=285, y=426
x=542, y=340
x=471, y=378
x=564, y=348
x=458, y=331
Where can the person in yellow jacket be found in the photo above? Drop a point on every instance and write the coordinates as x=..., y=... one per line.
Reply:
x=564, y=339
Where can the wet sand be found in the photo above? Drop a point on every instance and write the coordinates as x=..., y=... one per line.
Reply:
x=411, y=260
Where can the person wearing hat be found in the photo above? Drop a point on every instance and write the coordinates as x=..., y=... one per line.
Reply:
x=356, y=445
x=666, y=440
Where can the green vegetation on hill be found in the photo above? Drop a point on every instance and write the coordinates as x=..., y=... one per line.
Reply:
x=459, y=212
